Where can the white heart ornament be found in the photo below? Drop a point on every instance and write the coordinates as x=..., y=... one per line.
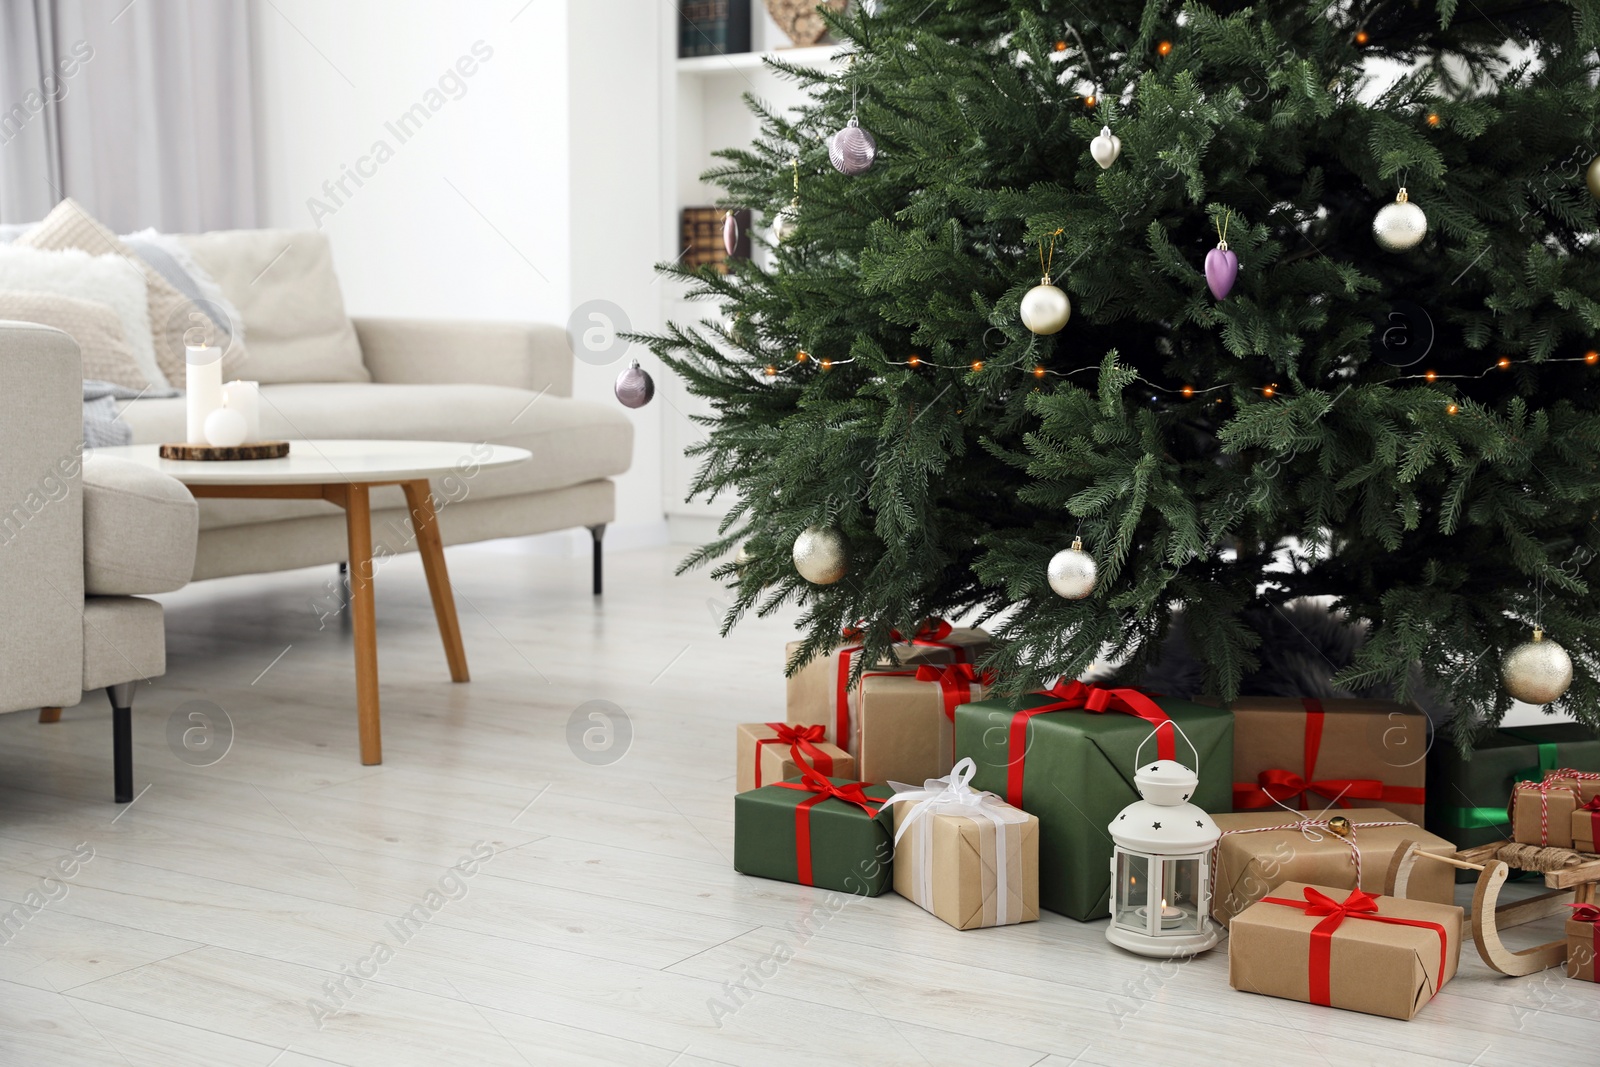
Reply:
x=1106, y=148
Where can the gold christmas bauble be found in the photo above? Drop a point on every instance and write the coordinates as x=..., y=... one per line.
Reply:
x=787, y=222
x=1045, y=308
x=1591, y=177
x=1072, y=572
x=1400, y=225
x=820, y=555
x=742, y=560
x=1538, y=671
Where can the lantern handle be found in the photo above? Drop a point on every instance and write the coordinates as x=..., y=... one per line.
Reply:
x=1137, y=758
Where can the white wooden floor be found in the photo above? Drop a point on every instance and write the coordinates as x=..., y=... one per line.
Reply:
x=608, y=926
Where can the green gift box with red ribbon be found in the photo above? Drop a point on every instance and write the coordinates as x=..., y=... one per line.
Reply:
x=1467, y=797
x=831, y=833
x=1067, y=755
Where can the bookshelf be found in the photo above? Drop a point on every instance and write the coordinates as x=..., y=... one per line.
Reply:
x=703, y=102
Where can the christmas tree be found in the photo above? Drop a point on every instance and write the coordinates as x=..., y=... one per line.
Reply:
x=1405, y=428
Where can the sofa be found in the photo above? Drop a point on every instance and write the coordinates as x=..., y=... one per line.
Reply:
x=83, y=541
x=324, y=375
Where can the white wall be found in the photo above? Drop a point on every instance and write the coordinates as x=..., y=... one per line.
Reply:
x=532, y=192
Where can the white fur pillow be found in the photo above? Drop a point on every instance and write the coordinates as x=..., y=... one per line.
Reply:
x=110, y=280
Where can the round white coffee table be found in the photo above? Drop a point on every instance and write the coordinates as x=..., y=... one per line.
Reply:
x=343, y=473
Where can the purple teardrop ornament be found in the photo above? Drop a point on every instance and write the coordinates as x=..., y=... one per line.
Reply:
x=1222, y=270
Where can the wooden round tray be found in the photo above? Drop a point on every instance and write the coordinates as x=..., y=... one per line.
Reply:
x=257, y=450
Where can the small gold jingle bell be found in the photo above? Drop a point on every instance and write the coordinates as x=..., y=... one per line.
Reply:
x=1339, y=825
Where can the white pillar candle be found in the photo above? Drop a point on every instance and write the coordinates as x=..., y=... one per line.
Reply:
x=245, y=398
x=202, y=383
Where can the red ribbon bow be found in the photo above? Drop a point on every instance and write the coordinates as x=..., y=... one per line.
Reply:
x=1586, y=913
x=956, y=681
x=814, y=782
x=1358, y=905
x=1072, y=696
x=1278, y=785
x=802, y=742
x=1593, y=808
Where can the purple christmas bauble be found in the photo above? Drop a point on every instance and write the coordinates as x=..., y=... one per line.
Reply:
x=1222, y=270
x=730, y=234
x=852, y=150
x=634, y=387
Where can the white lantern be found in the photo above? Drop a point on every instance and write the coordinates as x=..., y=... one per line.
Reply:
x=1160, y=869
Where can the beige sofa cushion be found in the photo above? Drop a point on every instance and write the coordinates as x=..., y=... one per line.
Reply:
x=572, y=441
x=139, y=529
x=101, y=340
x=283, y=284
x=69, y=226
x=124, y=640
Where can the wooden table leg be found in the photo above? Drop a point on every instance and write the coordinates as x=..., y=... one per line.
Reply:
x=419, y=499
x=358, y=523
x=49, y=714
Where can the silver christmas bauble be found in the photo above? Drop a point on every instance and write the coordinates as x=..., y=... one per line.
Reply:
x=852, y=150
x=634, y=386
x=1538, y=671
x=1400, y=225
x=788, y=219
x=1072, y=572
x=1045, y=308
x=820, y=555
x=742, y=560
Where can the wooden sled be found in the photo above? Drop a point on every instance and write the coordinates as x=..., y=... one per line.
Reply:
x=1573, y=883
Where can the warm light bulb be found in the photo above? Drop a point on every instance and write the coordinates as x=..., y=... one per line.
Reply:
x=977, y=365
x=1361, y=37
x=801, y=356
x=1038, y=372
x=1090, y=101
x=1061, y=46
x=827, y=364
x=1270, y=391
x=1591, y=358
x=1451, y=409
x=1433, y=118
x=1431, y=376
x=1165, y=48
x=1187, y=391
x=771, y=371
x=1504, y=362
x=915, y=361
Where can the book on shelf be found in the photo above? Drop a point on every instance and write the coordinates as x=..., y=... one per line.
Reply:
x=713, y=27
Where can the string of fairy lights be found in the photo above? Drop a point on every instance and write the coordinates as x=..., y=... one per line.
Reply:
x=1187, y=392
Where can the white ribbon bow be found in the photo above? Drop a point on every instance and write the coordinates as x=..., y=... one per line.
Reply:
x=953, y=795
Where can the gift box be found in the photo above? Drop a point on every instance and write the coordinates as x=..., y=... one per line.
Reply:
x=1467, y=795
x=1344, y=948
x=906, y=720
x=1314, y=754
x=1068, y=755
x=1585, y=823
x=828, y=832
x=820, y=693
x=774, y=751
x=1261, y=850
x=966, y=856
x=1583, y=942
x=1541, y=812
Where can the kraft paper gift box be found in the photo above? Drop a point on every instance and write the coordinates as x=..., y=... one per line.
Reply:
x=767, y=753
x=1586, y=826
x=1311, y=753
x=1541, y=812
x=1261, y=850
x=1467, y=796
x=906, y=720
x=825, y=832
x=968, y=857
x=1343, y=948
x=1583, y=943
x=821, y=692
x=1068, y=756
